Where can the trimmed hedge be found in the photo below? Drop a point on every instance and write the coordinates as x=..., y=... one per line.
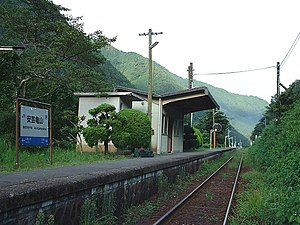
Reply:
x=132, y=130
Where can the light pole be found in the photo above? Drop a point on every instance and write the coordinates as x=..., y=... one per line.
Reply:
x=151, y=46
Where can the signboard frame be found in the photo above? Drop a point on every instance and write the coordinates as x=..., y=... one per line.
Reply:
x=39, y=129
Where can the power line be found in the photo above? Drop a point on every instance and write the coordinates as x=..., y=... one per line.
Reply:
x=240, y=71
x=290, y=50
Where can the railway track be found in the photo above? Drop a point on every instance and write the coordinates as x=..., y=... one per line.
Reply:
x=209, y=202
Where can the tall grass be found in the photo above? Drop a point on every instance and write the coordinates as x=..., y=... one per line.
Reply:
x=30, y=160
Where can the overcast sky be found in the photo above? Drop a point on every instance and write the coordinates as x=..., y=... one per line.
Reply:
x=216, y=35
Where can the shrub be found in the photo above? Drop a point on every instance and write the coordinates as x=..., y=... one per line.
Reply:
x=199, y=136
x=132, y=130
x=190, y=139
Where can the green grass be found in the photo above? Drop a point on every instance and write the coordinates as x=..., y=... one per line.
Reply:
x=37, y=159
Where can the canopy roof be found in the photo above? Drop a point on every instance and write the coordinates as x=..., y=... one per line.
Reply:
x=186, y=101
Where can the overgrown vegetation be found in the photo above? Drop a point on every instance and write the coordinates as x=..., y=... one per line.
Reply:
x=94, y=212
x=273, y=195
x=42, y=220
x=30, y=160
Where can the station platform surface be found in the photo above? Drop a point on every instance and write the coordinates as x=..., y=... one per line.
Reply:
x=87, y=175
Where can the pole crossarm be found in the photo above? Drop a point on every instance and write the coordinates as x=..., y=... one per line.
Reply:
x=150, y=33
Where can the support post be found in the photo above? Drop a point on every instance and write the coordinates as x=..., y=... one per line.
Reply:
x=50, y=134
x=17, y=132
x=278, y=79
x=190, y=85
x=214, y=131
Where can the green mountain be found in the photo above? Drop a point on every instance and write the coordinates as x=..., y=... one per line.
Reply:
x=243, y=111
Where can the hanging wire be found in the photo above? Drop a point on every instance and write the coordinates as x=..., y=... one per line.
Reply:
x=290, y=50
x=240, y=71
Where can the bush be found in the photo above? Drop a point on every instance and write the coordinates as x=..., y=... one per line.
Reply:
x=276, y=154
x=199, y=136
x=190, y=138
x=132, y=130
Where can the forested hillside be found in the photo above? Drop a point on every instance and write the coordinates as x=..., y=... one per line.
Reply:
x=59, y=59
x=243, y=111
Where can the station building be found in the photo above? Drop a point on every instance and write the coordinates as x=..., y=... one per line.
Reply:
x=168, y=111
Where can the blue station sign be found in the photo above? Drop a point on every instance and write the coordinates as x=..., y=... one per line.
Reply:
x=34, y=129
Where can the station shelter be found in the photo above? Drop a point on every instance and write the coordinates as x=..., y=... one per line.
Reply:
x=168, y=112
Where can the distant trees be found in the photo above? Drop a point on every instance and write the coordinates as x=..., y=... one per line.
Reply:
x=205, y=124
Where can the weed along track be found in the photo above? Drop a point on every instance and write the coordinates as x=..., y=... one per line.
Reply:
x=208, y=203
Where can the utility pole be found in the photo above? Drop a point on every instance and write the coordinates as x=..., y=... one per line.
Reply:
x=190, y=79
x=150, y=33
x=278, y=79
x=190, y=85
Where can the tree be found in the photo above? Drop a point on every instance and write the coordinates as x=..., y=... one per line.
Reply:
x=100, y=126
x=278, y=106
x=132, y=130
x=258, y=129
x=59, y=59
x=58, y=51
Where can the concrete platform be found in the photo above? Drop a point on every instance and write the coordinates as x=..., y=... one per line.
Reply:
x=23, y=189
